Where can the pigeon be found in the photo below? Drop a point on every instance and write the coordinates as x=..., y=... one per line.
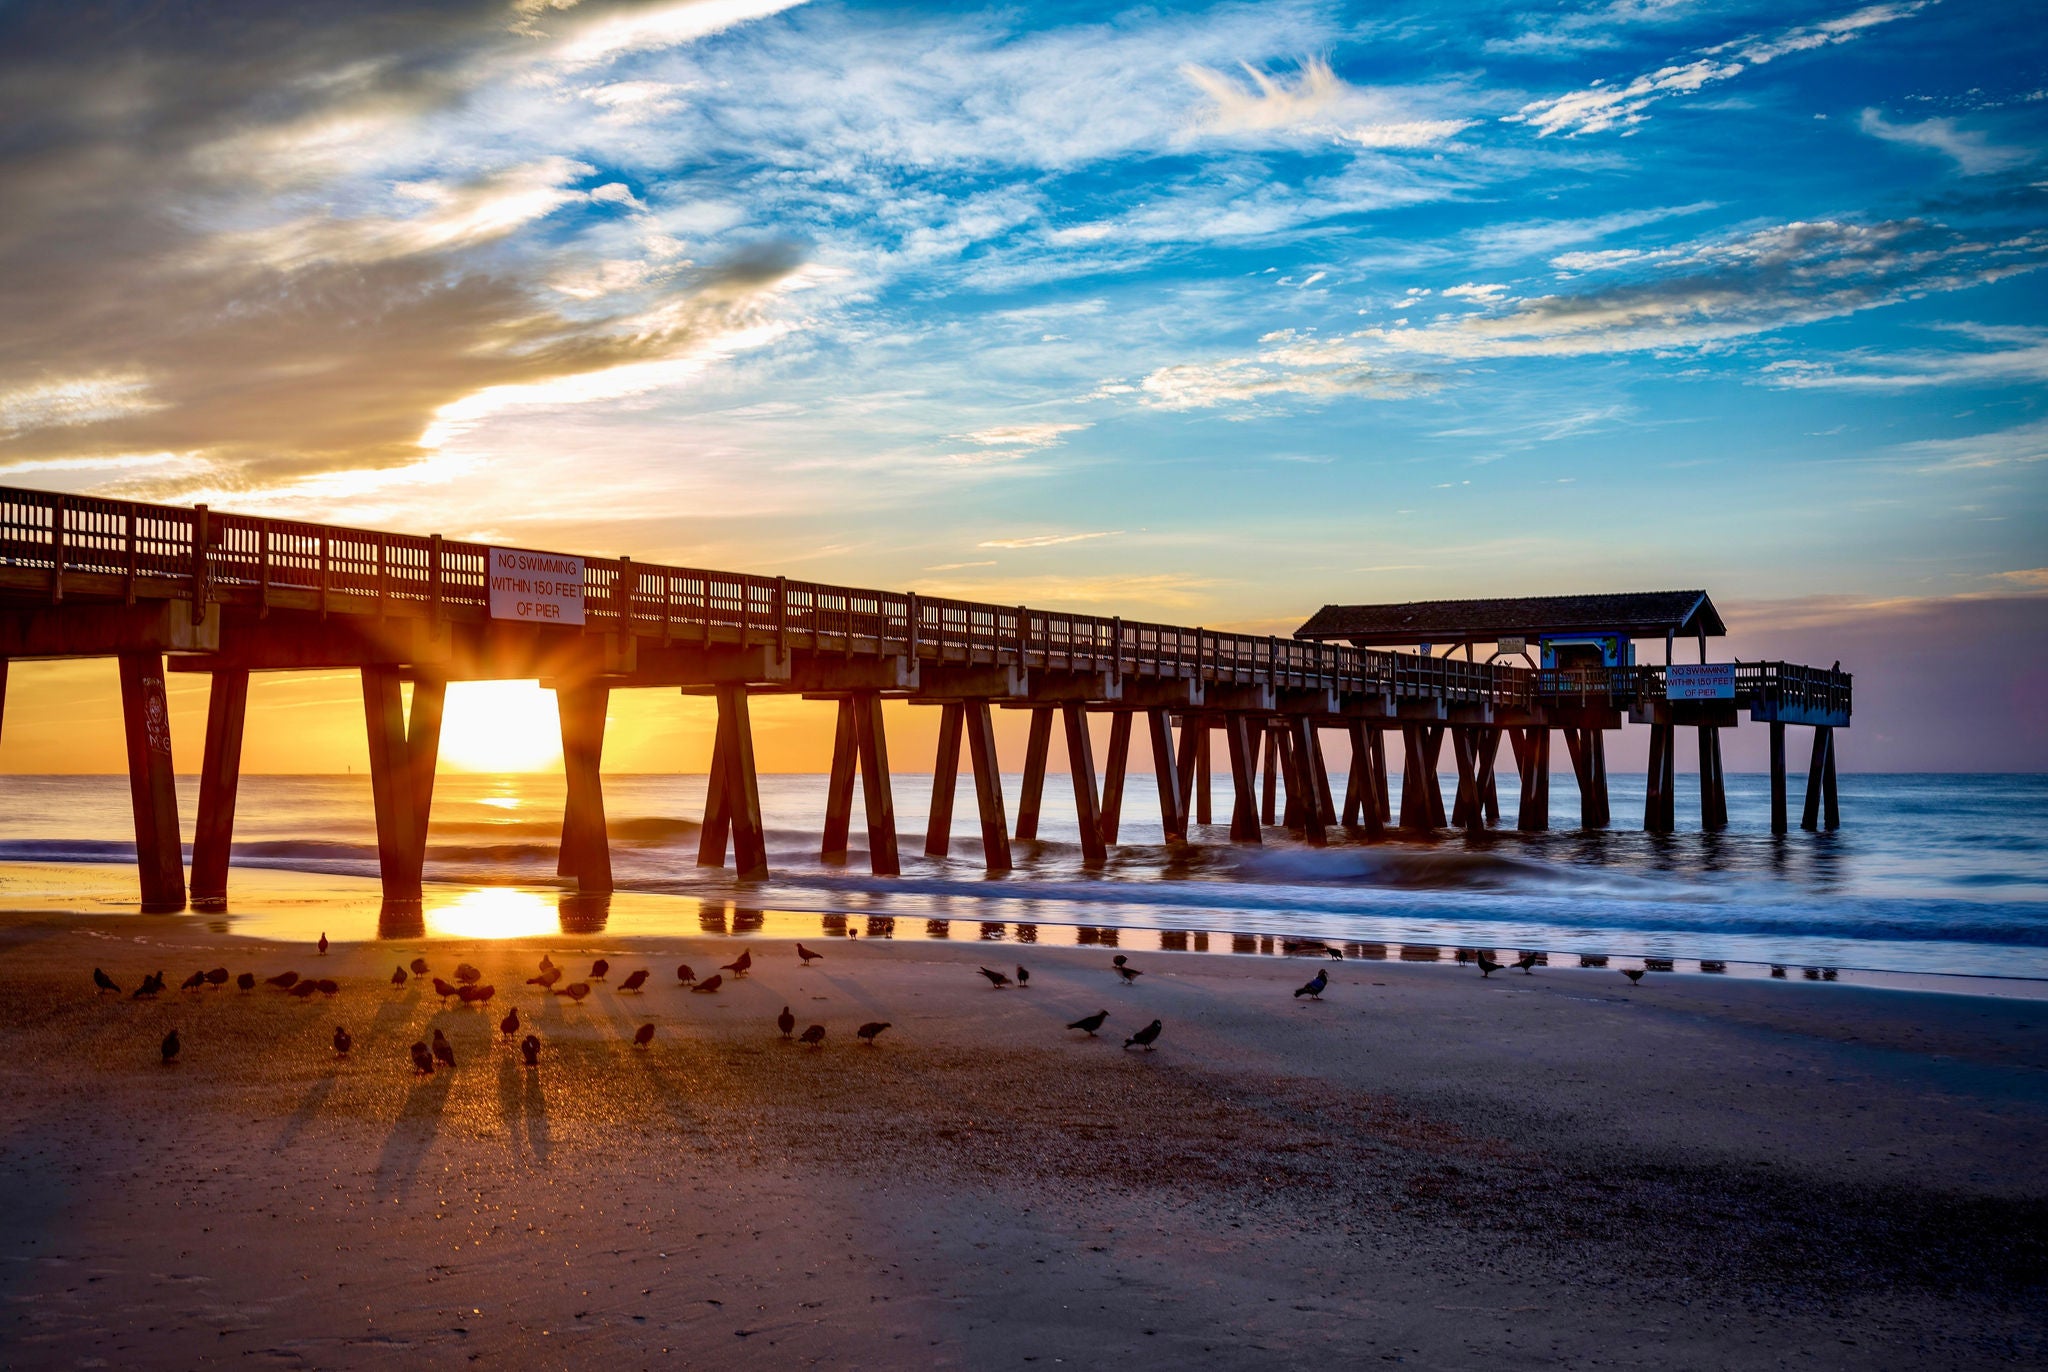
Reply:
x=422, y=1060
x=807, y=955
x=529, y=1048
x=193, y=982
x=170, y=1047
x=739, y=965
x=467, y=974
x=104, y=982
x=247, y=981
x=1129, y=974
x=785, y=1021
x=1634, y=974
x=546, y=980
x=398, y=976
x=328, y=986
x=1090, y=1023
x=477, y=995
x=444, y=1051
x=1487, y=966
x=995, y=979
x=1336, y=954
x=870, y=1031
x=419, y=967
x=302, y=989
x=1525, y=962
x=1023, y=977
x=1314, y=990
x=1145, y=1037
x=634, y=982
x=708, y=985
x=323, y=943
x=509, y=1025
x=342, y=1042
x=575, y=990
x=217, y=977
x=151, y=984
x=283, y=981
x=547, y=964
x=444, y=990
x=813, y=1036
x=1118, y=960
x=643, y=1036
x=598, y=969
x=684, y=974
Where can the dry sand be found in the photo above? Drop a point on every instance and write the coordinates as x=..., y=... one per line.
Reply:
x=1423, y=1168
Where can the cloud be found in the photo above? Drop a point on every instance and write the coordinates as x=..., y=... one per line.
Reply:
x=2021, y=446
x=1045, y=435
x=1288, y=363
x=73, y=401
x=1045, y=540
x=608, y=35
x=1159, y=591
x=2030, y=578
x=1572, y=33
x=1314, y=103
x=2007, y=356
x=1971, y=150
x=1486, y=294
x=1601, y=107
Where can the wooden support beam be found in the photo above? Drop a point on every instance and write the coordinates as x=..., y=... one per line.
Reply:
x=1188, y=766
x=1166, y=774
x=988, y=784
x=1036, y=747
x=220, y=775
x=152, y=784
x=1489, y=789
x=1239, y=737
x=1364, y=811
x=1376, y=744
x=1831, y=807
x=1319, y=775
x=1113, y=774
x=1205, y=777
x=1270, y=747
x=1470, y=811
x=390, y=782
x=938, y=831
x=1315, y=817
x=874, y=780
x=1417, y=779
x=711, y=839
x=423, y=755
x=1433, y=793
x=1081, y=765
x=1713, y=785
x=839, y=789
x=1821, y=802
x=586, y=848
x=1659, y=802
x=1281, y=739
x=3, y=695
x=1596, y=740
x=1532, y=761
x=1778, y=825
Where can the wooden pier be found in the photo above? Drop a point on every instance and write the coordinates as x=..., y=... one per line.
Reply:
x=196, y=590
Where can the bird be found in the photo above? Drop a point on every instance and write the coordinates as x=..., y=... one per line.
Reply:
x=193, y=982
x=684, y=974
x=328, y=986
x=246, y=981
x=546, y=963
x=1145, y=1037
x=422, y=1060
x=529, y=1048
x=444, y=990
x=217, y=977
x=575, y=990
x=813, y=1036
x=1487, y=966
x=419, y=967
x=598, y=969
x=1634, y=974
x=870, y=1031
x=1088, y=1024
x=785, y=1021
x=807, y=954
x=739, y=965
x=1336, y=954
x=477, y=995
x=1314, y=990
x=444, y=1051
x=170, y=1047
x=342, y=1042
x=302, y=989
x=283, y=981
x=995, y=979
x=643, y=1036
x=1129, y=974
x=104, y=982
x=509, y=1025
x=546, y=980
x=398, y=976
x=1118, y=960
x=323, y=943
x=708, y=985
x=634, y=982
x=1023, y=977
x=1525, y=962
x=151, y=984
x=467, y=974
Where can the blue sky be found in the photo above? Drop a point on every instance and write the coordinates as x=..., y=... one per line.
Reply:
x=1209, y=313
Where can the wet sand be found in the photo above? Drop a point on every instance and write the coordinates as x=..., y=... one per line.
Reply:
x=1424, y=1167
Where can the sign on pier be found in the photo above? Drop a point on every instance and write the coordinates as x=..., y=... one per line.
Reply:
x=536, y=588
x=1700, y=681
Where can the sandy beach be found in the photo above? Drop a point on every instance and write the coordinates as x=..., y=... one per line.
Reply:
x=1424, y=1167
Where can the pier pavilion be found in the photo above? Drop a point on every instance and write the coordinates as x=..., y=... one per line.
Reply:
x=162, y=588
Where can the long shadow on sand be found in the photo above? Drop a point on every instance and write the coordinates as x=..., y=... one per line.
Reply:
x=412, y=1134
x=523, y=1103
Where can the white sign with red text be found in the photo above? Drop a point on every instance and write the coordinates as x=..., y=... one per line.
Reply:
x=536, y=588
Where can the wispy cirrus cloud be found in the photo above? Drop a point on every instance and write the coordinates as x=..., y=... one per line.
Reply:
x=1289, y=364
x=1046, y=540
x=1314, y=102
x=1994, y=356
x=1971, y=150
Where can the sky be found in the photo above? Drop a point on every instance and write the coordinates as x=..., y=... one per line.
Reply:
x=1208, y=314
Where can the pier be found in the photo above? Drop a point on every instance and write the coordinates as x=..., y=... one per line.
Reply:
x=164, y=588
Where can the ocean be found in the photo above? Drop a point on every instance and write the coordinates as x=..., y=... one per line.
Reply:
x=1929, y=874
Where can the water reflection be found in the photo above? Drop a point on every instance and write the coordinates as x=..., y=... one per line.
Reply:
x=1027, y=933
x=938, y=928
x=481, y=912
x=991, y=932
x=401, y=919
x=881, y=926
x=584, y=914
x=746, y=920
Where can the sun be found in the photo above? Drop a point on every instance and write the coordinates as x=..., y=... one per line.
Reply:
x=500, y=726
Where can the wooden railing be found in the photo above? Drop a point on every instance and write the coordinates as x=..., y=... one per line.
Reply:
x=208, y=558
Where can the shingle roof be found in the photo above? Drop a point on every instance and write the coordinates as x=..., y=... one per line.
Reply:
x=1641, y=614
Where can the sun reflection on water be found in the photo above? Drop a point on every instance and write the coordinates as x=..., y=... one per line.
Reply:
x=494, y=912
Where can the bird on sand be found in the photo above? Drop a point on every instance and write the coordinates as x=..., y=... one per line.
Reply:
x=575, y=990
x=643, y=1036
x=246, y=981
x=1525, y=962
x=193, y=982
x=422, y=1060
x=151, y=984
x=996, y=979
x=467, y=974
x=1634, y=974
x=419, y=967
x=1315, y=988
x=1119, y=960
x=813, y=1036
x=1129, y=974
x=529, y=1048
x=786, y=1022
x=546, y=962
x=598, y=969
x=444, y=990
x=546, y=980
x=477, y=995
x=217, y=977
x=170, y=1047
x=283, y=981
x=685, y=974
x=302, y=989
x=104, y=982
x=323, y=943
x=1145, y=1037
x=1088, y=1024
x=328, y=986
x=509, y=1025
x=1023, y=977
x=398, y=976
x=807, y=954
x=342, y=1042
x=708, y=985
x=870, y=1031
x=634, y=982
x=1487, y=966
x=739, y=965
x=444, y=1051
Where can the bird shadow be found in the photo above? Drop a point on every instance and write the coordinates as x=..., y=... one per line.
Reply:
x=308, y=1109
x=412, y=1134
x=523, y=1103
